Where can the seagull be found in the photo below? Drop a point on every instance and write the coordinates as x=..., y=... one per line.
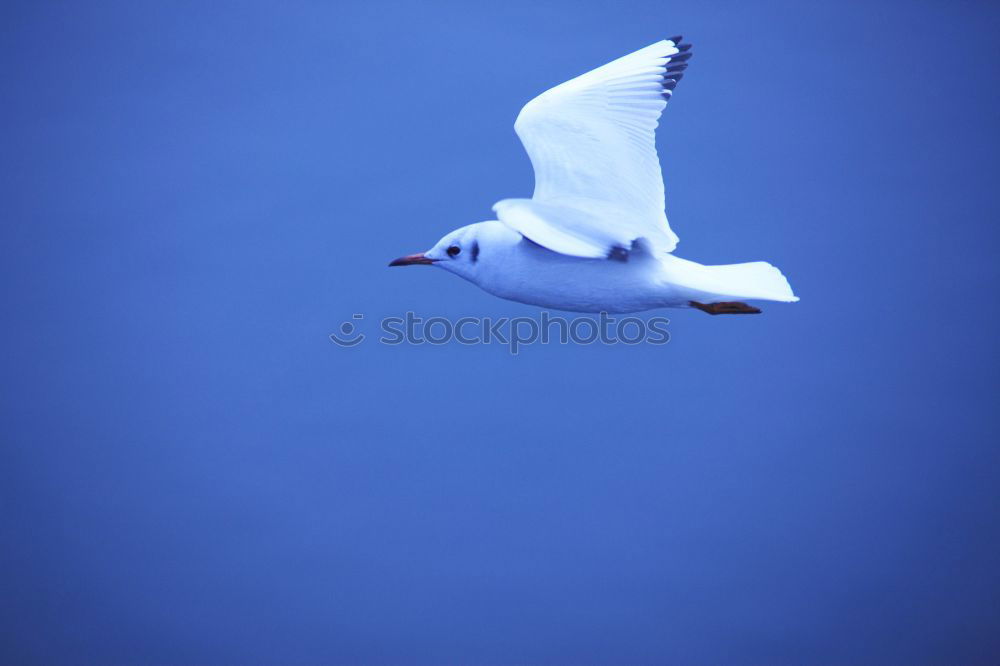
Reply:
x=594, y=236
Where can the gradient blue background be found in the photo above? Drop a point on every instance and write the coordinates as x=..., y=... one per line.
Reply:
x=195, y=195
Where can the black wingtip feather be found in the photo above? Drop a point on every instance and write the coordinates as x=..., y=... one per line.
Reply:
x=618, y=253
x=675, y=65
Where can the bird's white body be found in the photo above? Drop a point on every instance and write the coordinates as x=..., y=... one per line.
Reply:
x=594, y=237
x=511, y=266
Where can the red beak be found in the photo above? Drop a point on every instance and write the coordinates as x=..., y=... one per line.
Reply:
x=411, y=260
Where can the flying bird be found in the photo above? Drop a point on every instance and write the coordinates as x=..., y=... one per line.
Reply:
x=594, y=236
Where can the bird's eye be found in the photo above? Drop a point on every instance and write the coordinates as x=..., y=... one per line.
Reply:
x=454, y=250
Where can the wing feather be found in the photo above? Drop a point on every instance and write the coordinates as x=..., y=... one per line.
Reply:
x=591, y=141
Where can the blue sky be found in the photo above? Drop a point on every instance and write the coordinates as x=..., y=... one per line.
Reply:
x=195, y=196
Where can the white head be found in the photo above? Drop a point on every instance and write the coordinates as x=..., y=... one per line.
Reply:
x=464, y=250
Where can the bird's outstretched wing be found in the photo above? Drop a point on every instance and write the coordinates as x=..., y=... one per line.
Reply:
x=591, y=142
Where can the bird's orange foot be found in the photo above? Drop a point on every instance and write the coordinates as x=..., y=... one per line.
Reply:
x=728, y=307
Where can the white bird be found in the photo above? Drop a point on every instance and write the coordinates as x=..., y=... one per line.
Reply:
x=594, y=236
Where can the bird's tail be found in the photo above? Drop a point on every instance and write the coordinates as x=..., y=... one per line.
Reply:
x=753, y=280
